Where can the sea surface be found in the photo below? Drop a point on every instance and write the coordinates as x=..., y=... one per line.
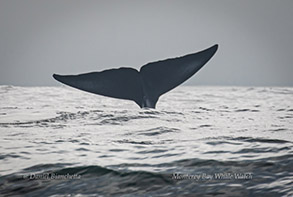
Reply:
x=200, y=141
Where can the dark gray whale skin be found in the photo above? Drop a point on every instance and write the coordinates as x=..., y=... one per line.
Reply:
x=144, y=87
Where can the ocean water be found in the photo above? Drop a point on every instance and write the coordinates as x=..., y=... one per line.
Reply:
x=200, y=141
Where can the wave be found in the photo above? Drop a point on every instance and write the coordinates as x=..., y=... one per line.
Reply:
x=95, y=179
x=223, y=139
x=51, y=179
x=157, y=131
x=98, y=116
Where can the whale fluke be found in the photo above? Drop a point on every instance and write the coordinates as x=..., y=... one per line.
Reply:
x=122, y=83
x=144, y=87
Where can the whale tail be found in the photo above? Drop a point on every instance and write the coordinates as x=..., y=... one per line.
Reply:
x=143, y=87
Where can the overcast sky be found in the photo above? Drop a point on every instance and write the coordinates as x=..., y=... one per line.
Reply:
x=41, y=37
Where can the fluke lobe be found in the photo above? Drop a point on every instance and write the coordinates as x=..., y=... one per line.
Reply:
x=144, y=87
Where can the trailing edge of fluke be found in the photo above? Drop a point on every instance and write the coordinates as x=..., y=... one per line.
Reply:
x=144, y=87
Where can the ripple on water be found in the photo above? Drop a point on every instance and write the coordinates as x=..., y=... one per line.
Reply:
x=157, y=131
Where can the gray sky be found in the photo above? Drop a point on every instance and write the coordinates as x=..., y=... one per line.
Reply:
x=40, y=37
